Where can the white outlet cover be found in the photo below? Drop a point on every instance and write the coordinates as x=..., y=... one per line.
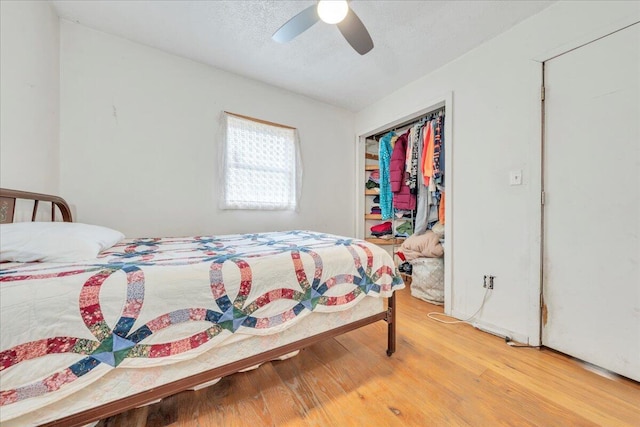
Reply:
x=515, y=177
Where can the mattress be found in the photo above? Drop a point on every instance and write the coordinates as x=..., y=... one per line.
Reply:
x=150, y=311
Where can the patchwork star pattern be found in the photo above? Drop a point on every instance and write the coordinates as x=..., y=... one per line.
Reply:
x=113, y=350
x=113, y=346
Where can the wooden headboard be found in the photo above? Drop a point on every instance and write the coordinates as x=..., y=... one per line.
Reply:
x=8, y=205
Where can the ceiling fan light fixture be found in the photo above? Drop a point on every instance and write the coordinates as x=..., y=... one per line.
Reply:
x=332, y=11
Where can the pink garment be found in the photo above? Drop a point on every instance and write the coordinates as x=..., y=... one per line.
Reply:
x=402, y=197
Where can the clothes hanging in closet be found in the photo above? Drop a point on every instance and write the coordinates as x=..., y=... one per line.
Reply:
x=384, y=153
x=412, y=172
x=430, y=177
x=423, y=191
x=402, y=196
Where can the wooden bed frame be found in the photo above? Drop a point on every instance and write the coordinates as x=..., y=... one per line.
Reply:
x=7, y=211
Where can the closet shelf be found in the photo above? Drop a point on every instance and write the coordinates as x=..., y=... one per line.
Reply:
x=371, y=156
x=371, y=192
x=371, y=167
x=383, y=242
x=372, y=216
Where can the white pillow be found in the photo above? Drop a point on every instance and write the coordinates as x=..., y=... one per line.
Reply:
x=54, y=241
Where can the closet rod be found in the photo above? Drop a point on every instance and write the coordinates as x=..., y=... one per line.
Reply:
x=409, y=123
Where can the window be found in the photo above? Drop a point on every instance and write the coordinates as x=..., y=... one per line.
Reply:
x=261, y=164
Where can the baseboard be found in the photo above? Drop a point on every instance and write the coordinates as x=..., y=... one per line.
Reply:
x=493, y=329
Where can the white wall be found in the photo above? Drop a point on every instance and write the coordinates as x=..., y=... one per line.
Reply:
x=139, y=142
x=496, y=128
x=29, y=96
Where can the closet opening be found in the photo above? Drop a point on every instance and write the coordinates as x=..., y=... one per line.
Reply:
x=404, y=198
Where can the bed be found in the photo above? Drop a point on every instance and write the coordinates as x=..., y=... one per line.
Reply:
x=147, y=318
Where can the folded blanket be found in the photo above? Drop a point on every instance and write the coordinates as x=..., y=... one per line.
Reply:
x=425, y=245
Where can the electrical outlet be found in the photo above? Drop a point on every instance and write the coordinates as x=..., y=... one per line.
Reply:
x=488, y=281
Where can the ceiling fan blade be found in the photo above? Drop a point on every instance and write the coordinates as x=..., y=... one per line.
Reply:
x=356, y=33
x=296, y=25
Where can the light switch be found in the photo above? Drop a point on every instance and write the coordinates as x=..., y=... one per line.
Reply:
x=515, y=177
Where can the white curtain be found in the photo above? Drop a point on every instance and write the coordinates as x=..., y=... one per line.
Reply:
x=261, y=165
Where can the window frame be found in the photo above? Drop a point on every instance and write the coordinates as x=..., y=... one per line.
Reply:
x=227, y=168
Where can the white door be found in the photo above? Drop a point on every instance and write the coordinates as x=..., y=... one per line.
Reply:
x=591, y=284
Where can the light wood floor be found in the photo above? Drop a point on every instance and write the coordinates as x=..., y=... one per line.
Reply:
x=441, y=375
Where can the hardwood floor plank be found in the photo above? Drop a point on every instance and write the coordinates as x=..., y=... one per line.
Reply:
x=594, y=404
x=448, y=384
x=417, y=400
x=248, y=399
x=556, y=374
x=441, y=375
x=311, y=388
x=280, y=400
x=534, y=407
x=625, y=390
x=364, y=398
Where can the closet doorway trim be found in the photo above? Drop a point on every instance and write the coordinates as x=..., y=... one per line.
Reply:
x=444, y=101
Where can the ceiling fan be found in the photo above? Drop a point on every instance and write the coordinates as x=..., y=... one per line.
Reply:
x=332, y=12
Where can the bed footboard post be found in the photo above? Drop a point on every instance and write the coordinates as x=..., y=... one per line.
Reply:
x=391, y=325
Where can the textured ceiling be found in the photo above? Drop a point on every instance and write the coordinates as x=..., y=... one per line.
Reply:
x=411, y=38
